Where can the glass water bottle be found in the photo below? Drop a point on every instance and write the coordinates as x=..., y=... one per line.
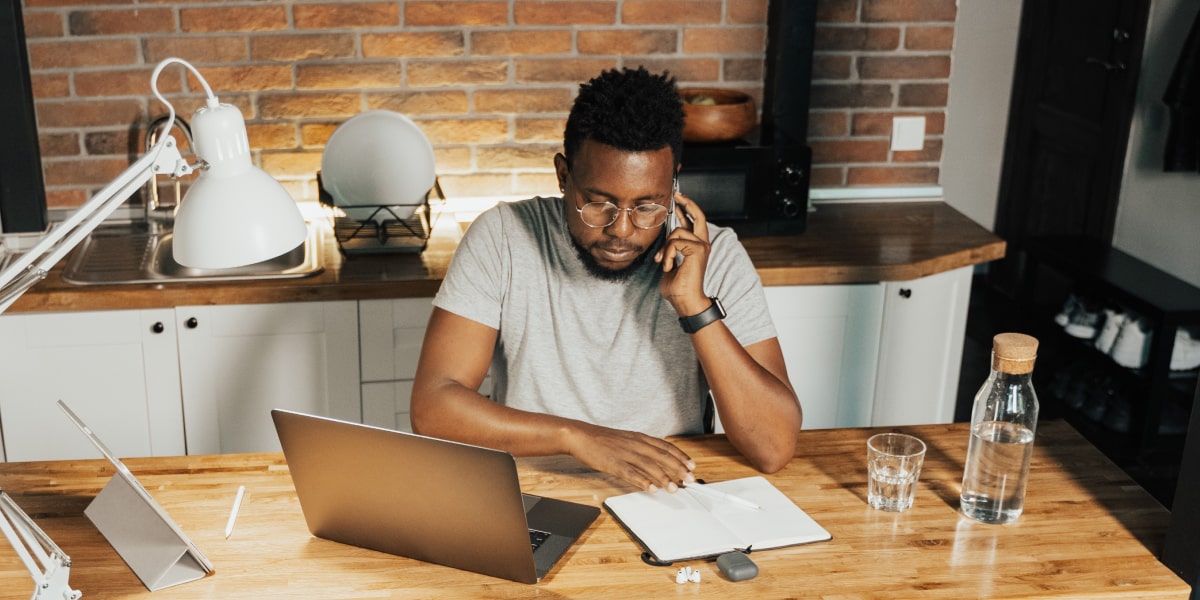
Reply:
x=1003, y=422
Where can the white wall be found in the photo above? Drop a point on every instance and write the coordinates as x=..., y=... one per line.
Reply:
x=985, y=48
x=1158, y=219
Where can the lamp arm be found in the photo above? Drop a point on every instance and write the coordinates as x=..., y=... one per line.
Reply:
x=30, y=542
x=33, y=266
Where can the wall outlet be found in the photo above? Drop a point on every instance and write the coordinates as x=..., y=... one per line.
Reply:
x=908, y=133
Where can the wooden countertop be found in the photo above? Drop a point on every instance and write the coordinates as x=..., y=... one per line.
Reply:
x=844, y=243
x=1088, y=531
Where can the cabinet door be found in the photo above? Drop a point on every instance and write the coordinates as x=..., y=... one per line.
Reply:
x=240, y=361
x=830, y=340
x=920, y=349
x=117, y=370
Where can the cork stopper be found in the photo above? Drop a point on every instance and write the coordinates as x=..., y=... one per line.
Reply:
x=1014, y=353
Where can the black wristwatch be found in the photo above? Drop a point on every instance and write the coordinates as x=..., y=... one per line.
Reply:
x=710, y=315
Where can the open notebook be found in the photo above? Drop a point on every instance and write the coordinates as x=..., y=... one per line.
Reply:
x=686, y=525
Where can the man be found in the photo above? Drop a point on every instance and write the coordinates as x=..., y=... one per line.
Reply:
x=580, y=304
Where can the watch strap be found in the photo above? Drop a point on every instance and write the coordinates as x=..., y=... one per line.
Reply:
x=715, y=312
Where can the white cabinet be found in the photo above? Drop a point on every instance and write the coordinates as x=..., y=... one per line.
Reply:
x=390, y=334
x=118, y=370
x=920, y=348
x=155, y=382
x=830, y=340
x=237, y=362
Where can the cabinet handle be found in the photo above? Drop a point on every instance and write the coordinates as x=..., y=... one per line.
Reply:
x=191, y=323
x=158, y=327
x=905, y=293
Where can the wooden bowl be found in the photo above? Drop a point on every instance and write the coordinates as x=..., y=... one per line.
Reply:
x=716, y=115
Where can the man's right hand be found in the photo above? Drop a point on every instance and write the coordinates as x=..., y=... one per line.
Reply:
x=649, y=463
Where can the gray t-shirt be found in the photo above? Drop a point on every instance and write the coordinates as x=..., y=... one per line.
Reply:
x=574, y=345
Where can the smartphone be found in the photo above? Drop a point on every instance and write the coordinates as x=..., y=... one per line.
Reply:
x=673, y=219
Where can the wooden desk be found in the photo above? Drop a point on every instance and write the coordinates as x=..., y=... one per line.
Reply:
x=1088, y=531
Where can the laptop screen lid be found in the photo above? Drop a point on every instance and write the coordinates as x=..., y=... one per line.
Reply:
x=433, y=500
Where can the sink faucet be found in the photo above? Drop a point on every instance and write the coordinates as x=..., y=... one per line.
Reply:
x=157, y=214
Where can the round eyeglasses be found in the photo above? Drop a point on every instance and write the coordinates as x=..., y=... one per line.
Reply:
x=603, y=214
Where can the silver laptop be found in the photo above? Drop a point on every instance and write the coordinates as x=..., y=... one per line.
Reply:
x=433, y=500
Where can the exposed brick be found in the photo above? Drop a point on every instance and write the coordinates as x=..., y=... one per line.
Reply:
x=355, y=75
x=726, y=40
x=564, y=12
x=832, y=39
x=58, y=144
x=523, y=156
x=457, y=72
x=477, y=184
x=827, y=177
x=233, y=18
x=420, y=14
x=827, y=124
x=84, y=171
x=120, y=142
x=407, y=45
x=746, y=12
x=120, y=22
x=850, y=95
x=683, y=69
x=88, y=112
x=271, y=136
x=36, y=4
x=524, y=100
x=930, y=152
x=567, y=70
x=904, y=67
x=90, y=53
x=302, y=47
x=892, y=175
x=456, y=158
x=624, y=41
x=465, y=131
x=254, y=78
x=125, y=82
x=929, y=38
x=346, y=14
x=691, y=12
x=197, y=50
x=50, y=85
x=832, y=66
x=837, y=11
x=744, y=69
x=881, y=123
x=316, y=134
x=308, y=105
x=909, y=10
x=539, y=130
x=531, y=184
x=924, y=94
x=42, y=24
x=66, y=198
x=848, y=151
x=449, y=102
x=291, y=163
x=521, y=42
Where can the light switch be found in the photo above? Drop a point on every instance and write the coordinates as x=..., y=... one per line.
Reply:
x=908, y=133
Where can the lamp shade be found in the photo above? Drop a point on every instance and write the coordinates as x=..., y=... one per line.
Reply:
x=234, y=214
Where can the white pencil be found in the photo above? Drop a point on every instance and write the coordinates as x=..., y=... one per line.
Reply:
x=704, y=490
x=237, y=505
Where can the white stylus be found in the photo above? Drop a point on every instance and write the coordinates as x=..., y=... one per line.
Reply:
x=237, y=505
x=704, y=490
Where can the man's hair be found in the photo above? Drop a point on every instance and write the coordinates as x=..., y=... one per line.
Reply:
x=630, y=110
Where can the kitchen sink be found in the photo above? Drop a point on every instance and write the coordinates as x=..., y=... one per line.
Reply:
x=140, y=253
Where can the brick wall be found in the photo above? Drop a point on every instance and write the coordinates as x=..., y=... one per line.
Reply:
x=489, y=81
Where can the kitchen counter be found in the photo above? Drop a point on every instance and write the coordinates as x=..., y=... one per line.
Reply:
x=844, y=243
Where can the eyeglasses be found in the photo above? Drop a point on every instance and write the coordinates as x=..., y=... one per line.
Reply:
x=603, y=214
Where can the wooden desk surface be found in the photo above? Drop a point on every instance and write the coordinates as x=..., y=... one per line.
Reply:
x=1088, y=531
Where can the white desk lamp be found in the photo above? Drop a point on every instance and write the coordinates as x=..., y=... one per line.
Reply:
x=234, y=214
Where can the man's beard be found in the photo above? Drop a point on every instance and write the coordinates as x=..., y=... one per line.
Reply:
x=599, y=271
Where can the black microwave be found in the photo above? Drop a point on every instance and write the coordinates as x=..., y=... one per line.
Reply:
x=755, y=190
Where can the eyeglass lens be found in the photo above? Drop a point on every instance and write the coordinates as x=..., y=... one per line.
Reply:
x=643, y=216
